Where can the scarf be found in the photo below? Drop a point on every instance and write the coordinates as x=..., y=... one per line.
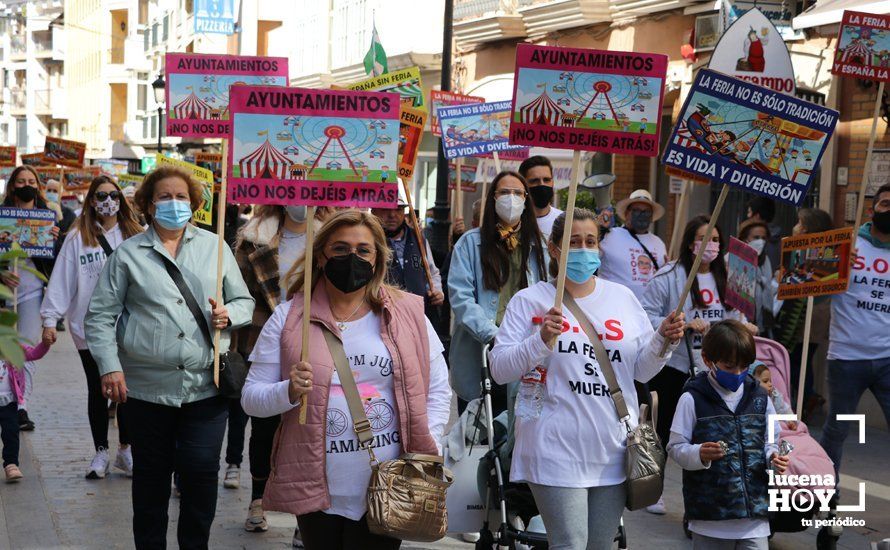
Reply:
x=509, y=235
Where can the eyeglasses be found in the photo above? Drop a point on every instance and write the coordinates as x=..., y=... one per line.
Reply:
x=339, y=250
x=102, y=195
x=505, y=192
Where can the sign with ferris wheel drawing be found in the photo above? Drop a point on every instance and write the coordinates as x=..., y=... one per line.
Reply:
x=313, y=147
x=198, y=89
x=592, y=100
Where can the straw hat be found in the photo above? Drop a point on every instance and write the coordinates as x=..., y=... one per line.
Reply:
x=641, y=196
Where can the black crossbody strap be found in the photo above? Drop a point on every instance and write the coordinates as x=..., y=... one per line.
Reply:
x=189, y=298
x=103, y=242
x=646, y=250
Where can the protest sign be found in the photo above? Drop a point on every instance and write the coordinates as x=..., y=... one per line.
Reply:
x=815, y=264
x=198, y=89
x=7, y=156
x=32, y=159
x=64, y=151
x=70, y=202
x=467, y=177
x=204, y=214
x=211, y=161
x=752, y=50
x=46, y=173
x=749, y=137
x=80, y=179
x=569, y=98
x=741, y=280
x=476, y=129
x=411, y=122
x=31, y=228
x=439, y=98
x=112, y=167
x=313, y=147
x=863, y=46
x=129, y=180
x=405, y=82
x=514, y=153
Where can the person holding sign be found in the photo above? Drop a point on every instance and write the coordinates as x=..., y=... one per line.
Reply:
x=538, y=173
x=858, y=355
x=321, y=472
x=570, y=444
x=704, y=306
x=153, y=355
x=104, y=223
x=268, y=246
x=488, y=266
x=23, y=191
x=756, y=234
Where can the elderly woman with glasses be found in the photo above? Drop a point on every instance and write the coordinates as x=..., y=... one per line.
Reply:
x=320, y=473
x=488, y=266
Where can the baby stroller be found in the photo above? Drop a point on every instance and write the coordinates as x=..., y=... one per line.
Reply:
x=808, y=457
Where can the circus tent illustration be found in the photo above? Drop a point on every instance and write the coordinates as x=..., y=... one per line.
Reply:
x=265, y=162
x=192, y=107
x=542, y=110
x=856, y=51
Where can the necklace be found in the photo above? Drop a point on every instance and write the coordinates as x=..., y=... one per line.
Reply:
x=341, y=323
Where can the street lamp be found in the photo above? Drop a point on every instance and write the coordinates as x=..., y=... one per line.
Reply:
x=159, y=88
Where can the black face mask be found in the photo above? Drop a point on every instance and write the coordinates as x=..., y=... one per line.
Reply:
x=348, y=273
x=25, y=193
x=881, y=221
x=541, y=195
x=392, y=234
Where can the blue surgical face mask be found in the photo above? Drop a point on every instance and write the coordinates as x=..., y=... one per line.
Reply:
x=729, y=380
x=52, y=196
x=173, y=214
x=582, y=263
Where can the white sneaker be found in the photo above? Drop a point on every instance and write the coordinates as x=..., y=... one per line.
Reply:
x=657, y=508
x=99, y=465
x=232, y=480
x=124, y=461
x=470, y=537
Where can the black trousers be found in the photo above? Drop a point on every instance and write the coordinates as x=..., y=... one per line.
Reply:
x=331, y=532
x=669, y=385
x=262, y=435
x=9, y=433
x=188, y=440
x=235, y=437
x=97, y=405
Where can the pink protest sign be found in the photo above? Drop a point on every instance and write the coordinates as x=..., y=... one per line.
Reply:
x=313, y=147
x=520, y=154
x=741, y=280
x=198, y=89
x=591, y=100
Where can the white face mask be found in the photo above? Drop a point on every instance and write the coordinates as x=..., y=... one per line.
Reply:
x=509, y=208
x=758, y=245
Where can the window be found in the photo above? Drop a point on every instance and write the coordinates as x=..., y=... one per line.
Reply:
x=166, y=28
x=146, y=130
x=311, y=34
x=349, y=40
x=154, y=34
x=145, y=38
x=21, y=132
x=154, y=126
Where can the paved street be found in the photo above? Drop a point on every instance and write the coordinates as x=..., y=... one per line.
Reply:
x=55, y=507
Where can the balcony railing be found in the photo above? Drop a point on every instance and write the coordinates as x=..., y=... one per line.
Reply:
x=471, y=9
x=486, y=20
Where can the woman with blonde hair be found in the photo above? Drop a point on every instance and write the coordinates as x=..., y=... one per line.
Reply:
x=320, y=473
x=104, y=223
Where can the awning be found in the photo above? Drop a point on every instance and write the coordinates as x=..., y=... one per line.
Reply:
x=830, y=12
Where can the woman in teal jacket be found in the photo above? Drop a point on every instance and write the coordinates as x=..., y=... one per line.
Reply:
x=488, y=266
x=152, y=355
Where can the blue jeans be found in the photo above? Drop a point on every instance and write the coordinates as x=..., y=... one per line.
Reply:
x=847, y=381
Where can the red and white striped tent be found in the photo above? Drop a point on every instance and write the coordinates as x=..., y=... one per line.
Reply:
x=856, y=49
x=684, y=138
x=192, y=107
x=542, y=110
x=266, y=162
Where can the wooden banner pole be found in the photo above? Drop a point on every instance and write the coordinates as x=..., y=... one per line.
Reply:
x=459, y=197
x=307, y=297
x=220, y=243
x=860, y=205
x=418, y=233
x=804, y=357
x=567, y=233
x=679, y=218
x=497, y=162
x=693, y=272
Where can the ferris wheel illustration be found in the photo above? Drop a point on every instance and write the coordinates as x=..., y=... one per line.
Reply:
x=380, y=414
x=335, y=422
x=606, y=96
x=337, y=144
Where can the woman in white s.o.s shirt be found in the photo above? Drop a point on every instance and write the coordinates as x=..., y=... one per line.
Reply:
x=572, y=452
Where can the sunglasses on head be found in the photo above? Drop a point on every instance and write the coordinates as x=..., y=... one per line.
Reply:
x=102, y=195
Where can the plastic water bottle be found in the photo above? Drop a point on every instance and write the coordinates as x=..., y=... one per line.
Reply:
x=532, y=391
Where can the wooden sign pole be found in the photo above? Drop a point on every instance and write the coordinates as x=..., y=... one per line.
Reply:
x=220, y=243
x=567, y=233
x=459, y=196
x=418, y=233
x=679, y=218
x=307, y=298
x=693, y=272
x=497, y=162
x=860, y=205
x=804, y=356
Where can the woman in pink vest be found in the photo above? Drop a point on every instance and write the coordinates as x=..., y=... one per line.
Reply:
x=319, y=472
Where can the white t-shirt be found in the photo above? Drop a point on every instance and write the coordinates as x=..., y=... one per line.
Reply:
x=860, y=317
x=578, y=440
x=290, y=247
x=686, y=454
x=30, y=286
x=545, y=222
x=713, y=311
x=625, y=261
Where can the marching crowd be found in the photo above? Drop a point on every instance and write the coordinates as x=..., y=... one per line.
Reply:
x=135, y=281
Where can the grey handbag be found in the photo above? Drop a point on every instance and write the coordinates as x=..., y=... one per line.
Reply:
x=645, y=458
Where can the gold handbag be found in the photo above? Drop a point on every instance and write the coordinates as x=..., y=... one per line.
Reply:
x=406, y=496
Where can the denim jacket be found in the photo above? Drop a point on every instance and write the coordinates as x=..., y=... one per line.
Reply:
x=474, y=308
x=138, y=322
